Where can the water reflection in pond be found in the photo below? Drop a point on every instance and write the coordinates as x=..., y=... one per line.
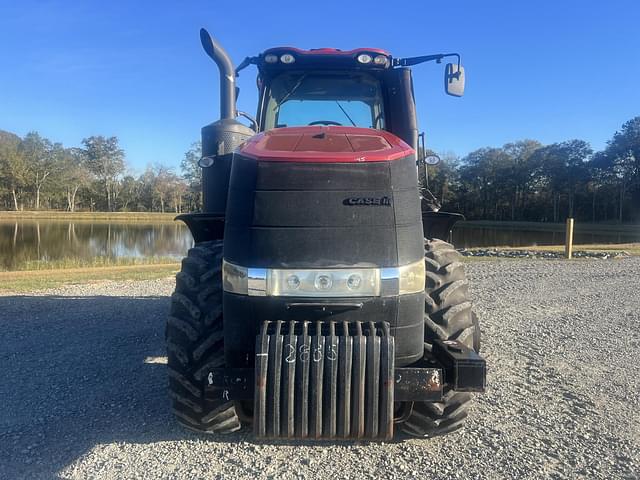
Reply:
x=27, y=241
x=470, y=235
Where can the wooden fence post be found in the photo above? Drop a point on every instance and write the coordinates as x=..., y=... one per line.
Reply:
x=568, y=244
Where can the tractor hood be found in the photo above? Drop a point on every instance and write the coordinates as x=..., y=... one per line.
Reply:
x=326, y=144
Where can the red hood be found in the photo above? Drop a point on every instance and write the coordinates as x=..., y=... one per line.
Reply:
x=326, y=144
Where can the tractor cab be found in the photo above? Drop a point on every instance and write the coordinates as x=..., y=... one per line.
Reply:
x=321, y=87
x=364, y=87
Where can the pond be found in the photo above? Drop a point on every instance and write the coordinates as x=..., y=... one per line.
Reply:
x=26, y=243
x=29, y=244
x=526, y=234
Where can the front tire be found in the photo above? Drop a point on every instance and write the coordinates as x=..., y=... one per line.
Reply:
x=448, y=316
x=194, y=339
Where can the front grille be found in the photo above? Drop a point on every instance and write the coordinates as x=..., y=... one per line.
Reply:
x=324, y=380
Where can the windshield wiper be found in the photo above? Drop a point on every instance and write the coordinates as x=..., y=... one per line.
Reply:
x=290, y=92
x=346, y=114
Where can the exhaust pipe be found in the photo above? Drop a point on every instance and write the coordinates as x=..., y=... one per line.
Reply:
x=222, y=137
x=227, y=74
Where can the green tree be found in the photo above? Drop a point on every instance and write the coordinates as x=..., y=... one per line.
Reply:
x=485, y=172
x=622, y=156
x=105, y=159
x=523, y=172
x=602, y=186
x=565, y=169
x=14, y=170
x=444, y=179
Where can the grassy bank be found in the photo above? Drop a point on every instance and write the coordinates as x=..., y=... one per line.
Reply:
x=94, y=262
x=33, y=280
x=143, y=217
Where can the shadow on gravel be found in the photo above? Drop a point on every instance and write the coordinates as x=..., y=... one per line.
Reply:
x=73, y=375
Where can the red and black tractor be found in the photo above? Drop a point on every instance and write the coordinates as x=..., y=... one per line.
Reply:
x=320, y=299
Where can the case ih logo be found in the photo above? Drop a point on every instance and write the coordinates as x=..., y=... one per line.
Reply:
x=372, y=201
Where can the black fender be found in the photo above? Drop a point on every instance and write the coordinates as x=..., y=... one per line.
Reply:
x=439, y=224
x=204, y=227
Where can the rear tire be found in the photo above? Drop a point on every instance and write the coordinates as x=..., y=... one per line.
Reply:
x=194, y=339
x=448, y=316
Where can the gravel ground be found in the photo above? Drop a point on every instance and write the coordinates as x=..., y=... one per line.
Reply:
x=84, y=396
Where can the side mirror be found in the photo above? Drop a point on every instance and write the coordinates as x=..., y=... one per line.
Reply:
x=454, y=79
x=432, y=159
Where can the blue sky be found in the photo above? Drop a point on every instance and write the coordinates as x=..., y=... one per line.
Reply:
x=549, y=70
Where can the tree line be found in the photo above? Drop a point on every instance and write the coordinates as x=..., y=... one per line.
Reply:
x=520, y=181
x=528, y=181
x=36, y=173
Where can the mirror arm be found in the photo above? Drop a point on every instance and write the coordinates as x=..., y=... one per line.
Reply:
x=422, y=164
x=254, y=123
x=407, y=62
x=245, y=63
x=421, y=154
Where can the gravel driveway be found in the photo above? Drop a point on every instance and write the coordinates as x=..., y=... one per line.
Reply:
x=83, y=389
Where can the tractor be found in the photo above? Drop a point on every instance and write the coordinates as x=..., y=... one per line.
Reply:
x=321, y=299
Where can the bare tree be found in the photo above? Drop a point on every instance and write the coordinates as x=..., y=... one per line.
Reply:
x=76, y=175
x=39, y=154
x=163, y=184
x=192, y=173
x=179, y=190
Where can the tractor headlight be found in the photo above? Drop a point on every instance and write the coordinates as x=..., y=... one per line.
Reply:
x=358, y=282
x=411, y=278
x=364, y=58
x=234, y=278
x=380, y=60
x=287, y=58
x=335, y=282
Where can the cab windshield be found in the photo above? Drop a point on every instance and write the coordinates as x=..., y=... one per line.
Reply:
x=312, y=98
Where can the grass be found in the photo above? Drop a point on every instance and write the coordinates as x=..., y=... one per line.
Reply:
x=33, y=280
x=94, y=262
x=149, y=217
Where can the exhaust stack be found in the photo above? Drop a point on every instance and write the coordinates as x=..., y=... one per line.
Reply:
x=220, y=138
x=227, y=74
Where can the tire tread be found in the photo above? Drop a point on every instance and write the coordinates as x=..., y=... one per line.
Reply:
x=448, y=315
x=195, y=342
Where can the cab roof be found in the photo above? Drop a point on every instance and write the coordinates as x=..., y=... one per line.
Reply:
x=326, y=51
x=279, y=59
